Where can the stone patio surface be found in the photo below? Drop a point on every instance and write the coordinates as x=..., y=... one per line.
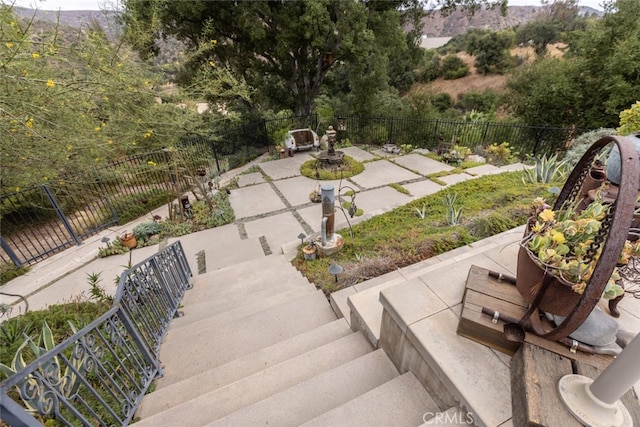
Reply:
x=271, y=207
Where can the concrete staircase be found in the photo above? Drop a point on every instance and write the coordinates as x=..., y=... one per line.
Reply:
x=258, y=345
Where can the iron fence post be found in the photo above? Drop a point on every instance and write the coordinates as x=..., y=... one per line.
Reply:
x=15, y=415
x=61, y=214
x=539, y=136
x=12, y=255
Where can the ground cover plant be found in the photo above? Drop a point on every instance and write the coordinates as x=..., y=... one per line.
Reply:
x=420, y=229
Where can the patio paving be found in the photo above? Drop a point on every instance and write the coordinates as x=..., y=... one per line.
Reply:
x=358, y=154
x=297, y=189
x=422, y=188
x=382, y=172
x=483, y=170
x=277, y=229
x=250, y=179
x=455, y=178
x=379, y=198
x=255, y=200
x=421, y=164
x=285, y=168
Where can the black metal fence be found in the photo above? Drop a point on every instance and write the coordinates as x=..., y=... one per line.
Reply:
x=100, y=374
x=45, y=219
x=422, y=133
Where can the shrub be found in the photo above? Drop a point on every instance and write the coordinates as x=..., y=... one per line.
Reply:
x=453, y=67
x=10, y=271
x=581, y=143
x=349, y=168
x=500, y=154
x=442, y=102
x=145, y=230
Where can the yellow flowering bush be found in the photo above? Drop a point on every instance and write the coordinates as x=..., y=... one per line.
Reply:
x=560, y=242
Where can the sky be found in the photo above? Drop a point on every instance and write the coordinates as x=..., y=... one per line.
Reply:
x=96, y=4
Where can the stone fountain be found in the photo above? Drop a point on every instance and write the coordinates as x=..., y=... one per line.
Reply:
x=330, y=158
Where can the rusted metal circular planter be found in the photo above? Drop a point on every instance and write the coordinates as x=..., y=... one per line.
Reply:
x=547, y=293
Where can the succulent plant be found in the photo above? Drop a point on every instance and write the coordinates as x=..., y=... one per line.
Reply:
x=560, y=241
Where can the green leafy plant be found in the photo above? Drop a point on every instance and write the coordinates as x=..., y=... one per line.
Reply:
x=545, y=170
x=455, y=154
x=500, y=154
x=98, y=292
x=630, y=120
x=406, y=148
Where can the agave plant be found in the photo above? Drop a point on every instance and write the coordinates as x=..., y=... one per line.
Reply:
x=545, y=170
x=560, y=241
x=453, y=215
x=66, y=380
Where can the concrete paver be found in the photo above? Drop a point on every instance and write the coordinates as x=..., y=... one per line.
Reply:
x=455, y=178
x=278, y=229
x=255, y=200
x=250, y=179
x=421, y=164
x=297, y=189
x=483, y=170
x=422, y=188
x=285, y=168
x=379, y=198
x=382, y=172
x=358, y=154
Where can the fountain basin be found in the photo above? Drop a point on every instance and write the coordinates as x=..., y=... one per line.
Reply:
x=332, y=245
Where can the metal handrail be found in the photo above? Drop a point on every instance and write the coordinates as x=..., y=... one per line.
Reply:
x=99, y=375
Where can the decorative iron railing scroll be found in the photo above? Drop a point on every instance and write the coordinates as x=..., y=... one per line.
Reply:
x=99, y=375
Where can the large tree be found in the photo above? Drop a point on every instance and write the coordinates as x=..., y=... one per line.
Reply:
x=289, y=44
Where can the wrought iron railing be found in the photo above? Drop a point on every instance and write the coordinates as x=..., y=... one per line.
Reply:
x=99, y=375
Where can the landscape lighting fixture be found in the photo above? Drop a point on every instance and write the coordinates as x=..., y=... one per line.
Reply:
x=335, y=269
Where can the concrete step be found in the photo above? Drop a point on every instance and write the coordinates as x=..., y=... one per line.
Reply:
x=307, y=400
x=167, y=395
x=239, y=270
x=205, y=406
x=241, y=311
x=242, y=270
x=403, y=401
x=200, y=315
x=210, y=287
x=339, y=299
x=450, y=358
x=186, y=354
x=365, y=308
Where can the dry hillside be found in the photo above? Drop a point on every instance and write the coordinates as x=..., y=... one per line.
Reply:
x=478, y=82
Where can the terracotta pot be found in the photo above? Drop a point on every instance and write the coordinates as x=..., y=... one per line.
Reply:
x=309, y=252
x=558, y=298
x=129, y=240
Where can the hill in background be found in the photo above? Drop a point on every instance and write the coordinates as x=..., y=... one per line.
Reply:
x=434, y=25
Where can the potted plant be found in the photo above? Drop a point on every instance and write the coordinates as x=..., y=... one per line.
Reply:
x=128, y=240
x=309, y=251
x=559, y=243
